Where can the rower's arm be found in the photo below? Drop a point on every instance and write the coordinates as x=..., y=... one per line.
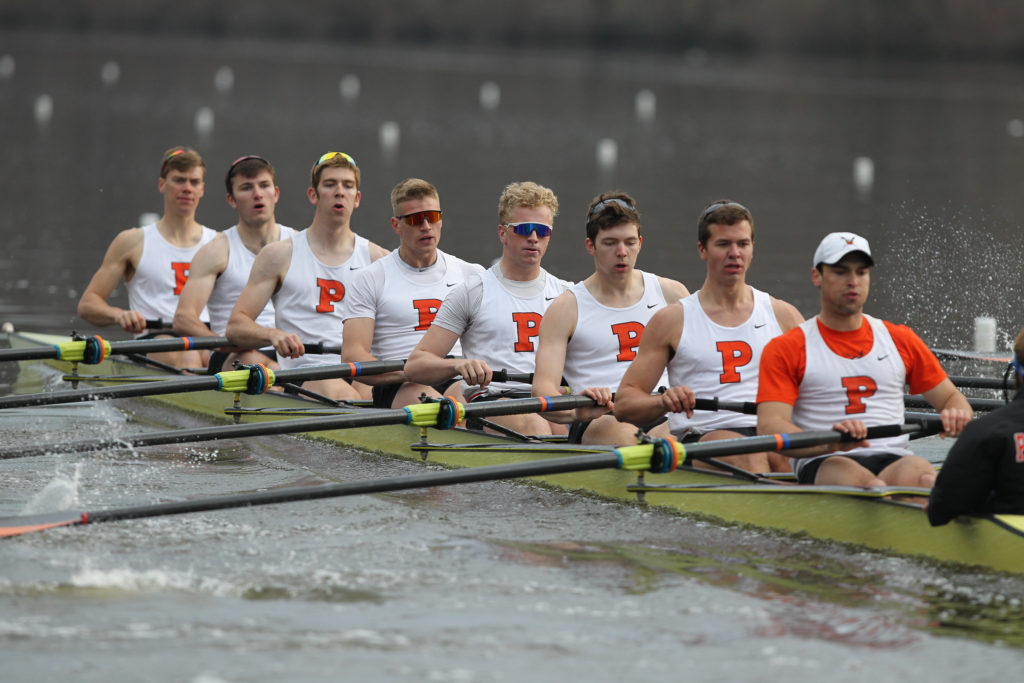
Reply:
x=377, y=251
x=268, y=271
x=208, y=263
x=953, y=407
x=776, y=417
x=634, y=402
x=427, y=363
x=357, y=340
x=118, y=264
x=786, y=314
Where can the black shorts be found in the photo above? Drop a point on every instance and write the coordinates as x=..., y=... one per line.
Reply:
x=576, y=429
x=217, y=358
x=693, y=437
x=873, y=463
x=384, y=394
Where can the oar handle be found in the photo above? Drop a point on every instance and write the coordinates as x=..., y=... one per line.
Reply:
x=746, y=407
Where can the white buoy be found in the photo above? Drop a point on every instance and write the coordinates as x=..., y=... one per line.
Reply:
x=390, y=136
x=349, y=86
x=224, y=79
x=863, y=173
x=6, y=66
x=607, y=154
x=7, y=327
x=985, y=334
x=110, y=73
x=490, y=96
x=43, y=109
x=1015, y=127
x=148, y=218
x=646, y=106
x=204, y=121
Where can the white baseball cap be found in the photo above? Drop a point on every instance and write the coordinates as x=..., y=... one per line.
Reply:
x=836, y=245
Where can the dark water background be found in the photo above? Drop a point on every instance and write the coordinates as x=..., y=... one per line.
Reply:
x=492, y=582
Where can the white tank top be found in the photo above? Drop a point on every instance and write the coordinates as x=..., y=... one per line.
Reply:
x=161, y=274
x=869, y=388
x=230, y=283
x=504, y=331
x=402, y=300
x=605, y=339
x=309, y=300
x=719, y=361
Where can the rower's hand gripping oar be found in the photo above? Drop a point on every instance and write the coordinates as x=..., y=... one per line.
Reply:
x=96, y=349
x=660, y=456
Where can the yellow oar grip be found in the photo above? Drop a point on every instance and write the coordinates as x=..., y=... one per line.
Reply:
x=243, y=380
x=635, y=457
x=443, y=414
x=92, y=350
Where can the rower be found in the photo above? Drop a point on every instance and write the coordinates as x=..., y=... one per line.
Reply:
x=845, y=370
x=391, y=304
x=591, y=332
x=306, y=277
x=154, y=260
x=221, y=268
x=984, y=470
x=711, y=344
x=500, y=334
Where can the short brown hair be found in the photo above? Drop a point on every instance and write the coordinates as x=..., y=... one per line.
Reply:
x=526, y=194
x=333, y=159
x=610, y=209
x=409, y=189
x=722, y=212
x=181, y=159
x=248, y=167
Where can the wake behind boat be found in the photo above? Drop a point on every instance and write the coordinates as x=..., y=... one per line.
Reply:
x=842, y=514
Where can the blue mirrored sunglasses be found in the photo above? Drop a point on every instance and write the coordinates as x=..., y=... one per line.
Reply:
x=524, y=229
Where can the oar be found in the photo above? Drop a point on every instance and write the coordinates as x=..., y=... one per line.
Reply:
x=80, y=350
x=424, y=414
x=947, y=354
x=975, y=403
x=1003, y=384
x=661, y=456
x=229, y=380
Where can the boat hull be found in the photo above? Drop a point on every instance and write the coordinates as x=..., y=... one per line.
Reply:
x=995, y=542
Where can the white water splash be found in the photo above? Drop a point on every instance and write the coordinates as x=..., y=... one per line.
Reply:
x=61, y=493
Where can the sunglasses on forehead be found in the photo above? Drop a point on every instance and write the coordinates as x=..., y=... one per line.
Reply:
x=524, y=229
x=330, y=155
x=417, y=217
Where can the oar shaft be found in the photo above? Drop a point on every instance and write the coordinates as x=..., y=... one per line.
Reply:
x=981, y=382
x=128, y=346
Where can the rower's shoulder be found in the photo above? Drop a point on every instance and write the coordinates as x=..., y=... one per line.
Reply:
x=673, y=290
x=376, y=251
x=786, y=313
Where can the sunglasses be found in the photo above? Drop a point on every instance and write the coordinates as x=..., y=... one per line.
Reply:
x=417, y=217
x=524, y=229
x=722, y=205
x=330, y=155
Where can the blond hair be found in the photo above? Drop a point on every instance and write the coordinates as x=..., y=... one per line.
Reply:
x=528, y=195
x=181, y=159
x=409, y=189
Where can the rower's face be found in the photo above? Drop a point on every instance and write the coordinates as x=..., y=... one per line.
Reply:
x=254, y=198
x=419, y=237
x=526, y=250
x=729, y=251
x=615, y=250
x=844, y=286
x=336, y=196
x=182, y=190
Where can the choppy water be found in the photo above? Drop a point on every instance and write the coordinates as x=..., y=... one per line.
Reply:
x=489, y=582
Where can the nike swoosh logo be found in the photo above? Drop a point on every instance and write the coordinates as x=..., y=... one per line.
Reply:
x=757, y=327
x=549, y=298
x=651, y=305
x=354, y=267
x=883, y=357
x=450, y=284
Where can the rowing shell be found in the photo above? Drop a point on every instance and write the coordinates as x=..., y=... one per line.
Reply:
x=841, y=514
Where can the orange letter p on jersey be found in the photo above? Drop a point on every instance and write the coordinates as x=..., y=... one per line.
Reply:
x=857, y=389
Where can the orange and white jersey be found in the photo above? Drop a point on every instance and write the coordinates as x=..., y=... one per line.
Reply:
x=309, y=302
x=868, y=388
x=230, y=283
x=605, y=339
x=719, y=361
x=403, y=300
x=498, y=321
x=161, y=274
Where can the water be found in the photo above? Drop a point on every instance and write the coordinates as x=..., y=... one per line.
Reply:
x=489, y=582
